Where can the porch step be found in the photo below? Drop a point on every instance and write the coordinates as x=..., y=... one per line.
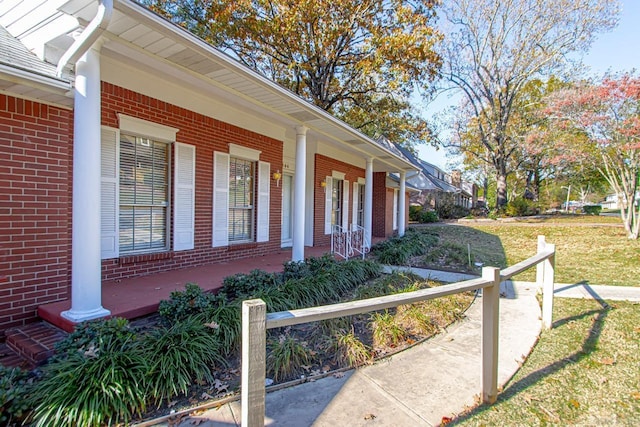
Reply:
x=34, y=342
x=11, y=359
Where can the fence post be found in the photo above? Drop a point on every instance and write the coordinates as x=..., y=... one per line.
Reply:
x=252, y=392
x=490, y=319
x=548, y=288
x=540, y=266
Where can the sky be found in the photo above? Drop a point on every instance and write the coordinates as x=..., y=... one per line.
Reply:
x=613, y=51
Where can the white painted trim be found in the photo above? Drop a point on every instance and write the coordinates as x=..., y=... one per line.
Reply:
x=147, y=129
x=361, y=181
x=236, y=150
x=338, y=175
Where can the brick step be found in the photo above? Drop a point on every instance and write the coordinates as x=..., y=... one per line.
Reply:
x=11, y=359
x=34, y=342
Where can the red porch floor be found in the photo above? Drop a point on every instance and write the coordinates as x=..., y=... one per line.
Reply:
x=139, y=296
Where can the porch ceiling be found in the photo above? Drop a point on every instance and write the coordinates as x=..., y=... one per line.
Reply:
x=141, y=38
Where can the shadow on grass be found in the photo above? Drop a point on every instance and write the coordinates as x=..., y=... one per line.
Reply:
x=587, y=347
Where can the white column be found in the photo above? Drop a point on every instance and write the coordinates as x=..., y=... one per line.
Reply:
x=297, y=252
x=86, y=286
x=401, y=203
x=368, y=199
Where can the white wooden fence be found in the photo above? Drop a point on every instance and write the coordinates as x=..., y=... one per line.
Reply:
x=256, y=321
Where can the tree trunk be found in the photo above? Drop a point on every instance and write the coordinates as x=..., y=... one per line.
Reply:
x=501, y=191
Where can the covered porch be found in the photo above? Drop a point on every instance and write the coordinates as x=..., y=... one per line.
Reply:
x=139, y=296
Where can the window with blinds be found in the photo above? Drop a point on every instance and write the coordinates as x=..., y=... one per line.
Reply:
x=241, y=199
x=144, y=190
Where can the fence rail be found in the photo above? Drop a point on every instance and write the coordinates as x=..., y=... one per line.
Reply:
x=256, y=321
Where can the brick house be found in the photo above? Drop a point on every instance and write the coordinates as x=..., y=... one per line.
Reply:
x=128, y=146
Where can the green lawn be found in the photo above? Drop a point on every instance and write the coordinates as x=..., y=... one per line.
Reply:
x=585, y=251
x=585, y=371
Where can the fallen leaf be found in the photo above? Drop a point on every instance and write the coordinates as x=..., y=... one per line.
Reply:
x=315, y=372
x=326, y=368
x=205, y=396
x=636, y=395
x=338, y=375
x=172, y=403
x=445, y=420
x=574, y=403
x=306, y=367
x=212, y=325
x=607, y=361
x=369, y=417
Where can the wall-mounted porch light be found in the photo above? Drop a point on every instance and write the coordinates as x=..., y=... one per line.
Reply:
x=277, y=176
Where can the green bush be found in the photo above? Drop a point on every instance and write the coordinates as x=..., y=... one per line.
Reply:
x=520, y=207
x=183, y=304
x=180, y=355
x=15, y=386
x=592, y=209
x=447, y=209
x=96, y=334
x=104, y=384
x=243, y=285
x=421, y=215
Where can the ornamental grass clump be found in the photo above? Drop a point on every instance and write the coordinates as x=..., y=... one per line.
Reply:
x=102, y=383
x=179, y=355
x=347, y=348
x=387, y=332
x=286, y=356
x=399, y=250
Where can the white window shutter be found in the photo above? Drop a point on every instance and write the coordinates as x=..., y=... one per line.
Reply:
x=328, y=191
x=184, y=197
x=395, y=209
x=355, y=206
x=345, y=204
x=220, y=199
x=264, y=185
x=109, y=193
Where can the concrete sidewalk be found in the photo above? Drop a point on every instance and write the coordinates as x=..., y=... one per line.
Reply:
x=438, y=378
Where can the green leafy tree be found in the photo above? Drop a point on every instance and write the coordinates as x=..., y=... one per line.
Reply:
x=358, y=60
x=494, y=48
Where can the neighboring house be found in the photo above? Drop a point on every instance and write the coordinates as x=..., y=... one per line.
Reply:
x=435, y=187
x=612, y=201
x=128, y=146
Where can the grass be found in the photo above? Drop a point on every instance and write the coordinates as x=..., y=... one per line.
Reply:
x=582, y=372
x=594, y=254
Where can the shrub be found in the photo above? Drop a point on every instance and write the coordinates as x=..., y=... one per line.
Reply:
x=104, y=384
x=96, y=334
x=592, y=209
x=421, y=215
x=520, y=207
x=226, y=319
x=15, y=386
x=243, y=285
x=447, y=209
x=183, y=304
x=286, y=356
x=180, y=355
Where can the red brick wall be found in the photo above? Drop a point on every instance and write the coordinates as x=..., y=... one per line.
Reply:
x=208, y=135
x=380, y=210
x=323, y=168
x=35, y=207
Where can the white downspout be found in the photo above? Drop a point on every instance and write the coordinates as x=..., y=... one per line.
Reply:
x=88, y=37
